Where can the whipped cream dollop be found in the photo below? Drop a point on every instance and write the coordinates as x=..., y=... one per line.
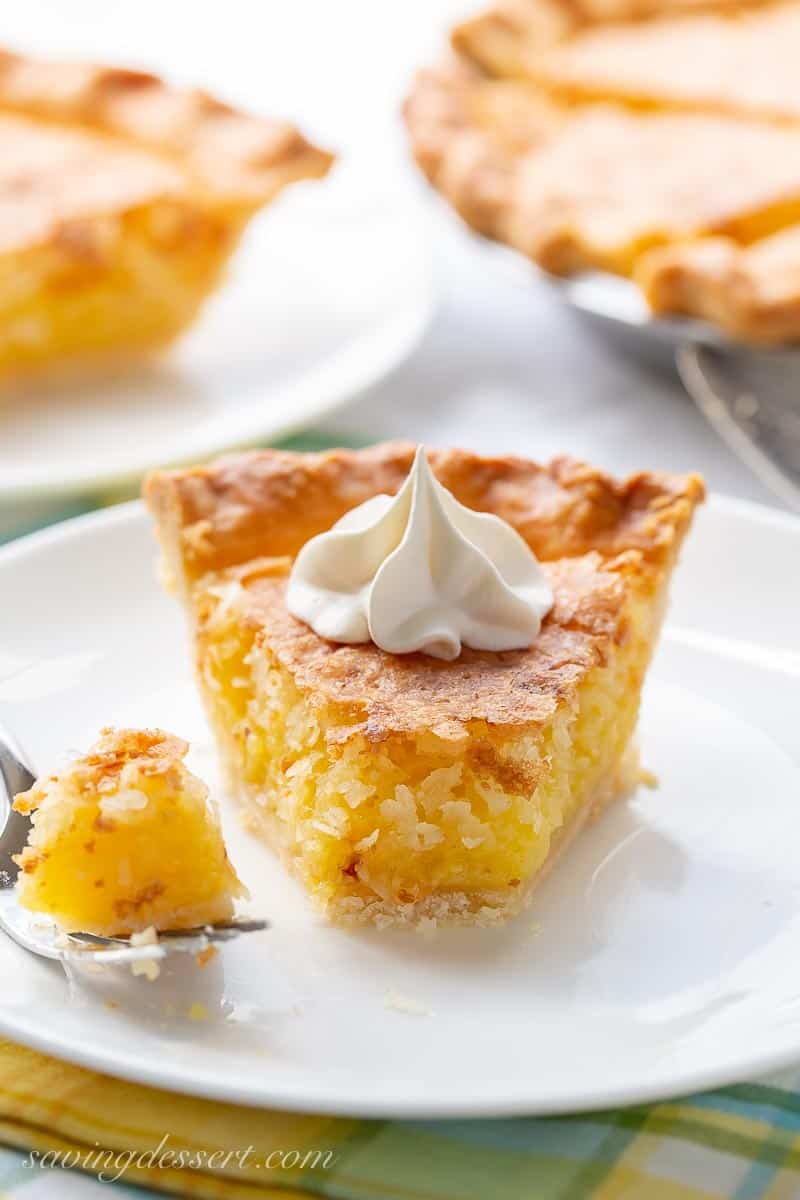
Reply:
x=420, y=572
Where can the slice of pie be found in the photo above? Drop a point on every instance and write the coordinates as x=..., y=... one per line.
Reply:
x=595, y=187
x=125, y=838
x=401, y=787
x=121, y=199
x=752, y=292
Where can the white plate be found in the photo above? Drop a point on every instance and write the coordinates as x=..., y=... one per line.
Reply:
x=330, y=290
x=666, y=951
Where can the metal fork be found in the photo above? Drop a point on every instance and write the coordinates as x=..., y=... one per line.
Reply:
x=39, y=937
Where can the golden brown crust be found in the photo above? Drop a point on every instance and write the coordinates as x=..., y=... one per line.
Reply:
x=501, y=39
x=382, y=695
x=234, y=158
x=556, y=196
x=153, y=752
x=702, y=61
x=603, y=542
x=468, y=135
x=752, y=292
x=506, y=39
x=270, y=502
x=682, y=175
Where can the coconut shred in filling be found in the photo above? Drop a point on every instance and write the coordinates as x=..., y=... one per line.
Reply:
x=420, y=572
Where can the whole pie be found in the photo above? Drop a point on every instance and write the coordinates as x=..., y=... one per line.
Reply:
x=645, y=140
x=121, y=200
x=401, y=787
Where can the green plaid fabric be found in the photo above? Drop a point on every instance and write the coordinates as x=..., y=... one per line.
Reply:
x=740, y=1143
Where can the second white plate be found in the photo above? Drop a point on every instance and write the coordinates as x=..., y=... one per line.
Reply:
x=662, y=956
x=330, y=290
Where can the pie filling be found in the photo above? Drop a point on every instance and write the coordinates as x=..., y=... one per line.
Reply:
x=413, y=826
x=141, y=288
x=125, y=839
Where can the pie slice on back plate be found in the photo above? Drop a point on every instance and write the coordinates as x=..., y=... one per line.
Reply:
x=121, y=199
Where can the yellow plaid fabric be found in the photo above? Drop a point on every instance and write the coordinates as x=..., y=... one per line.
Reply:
x=741, y=1143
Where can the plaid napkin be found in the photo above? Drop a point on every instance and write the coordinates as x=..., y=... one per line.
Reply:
x=738, y=1143
x=741, y=1142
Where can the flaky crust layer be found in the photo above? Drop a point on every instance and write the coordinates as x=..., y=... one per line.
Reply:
x=549, y=181
x=752, y=292
x=233, y=157
x=588, y=133
x=268, y=503
x=700, y=61
x=381, y=695
x=469, y=135
x=506, y=39
x=602, y=541
x=151, y=752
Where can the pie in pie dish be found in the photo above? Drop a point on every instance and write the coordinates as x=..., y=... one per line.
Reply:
x=125, y=838
x=598, y=186
x=121, y=199
x=589, y=137
x=401, y=787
